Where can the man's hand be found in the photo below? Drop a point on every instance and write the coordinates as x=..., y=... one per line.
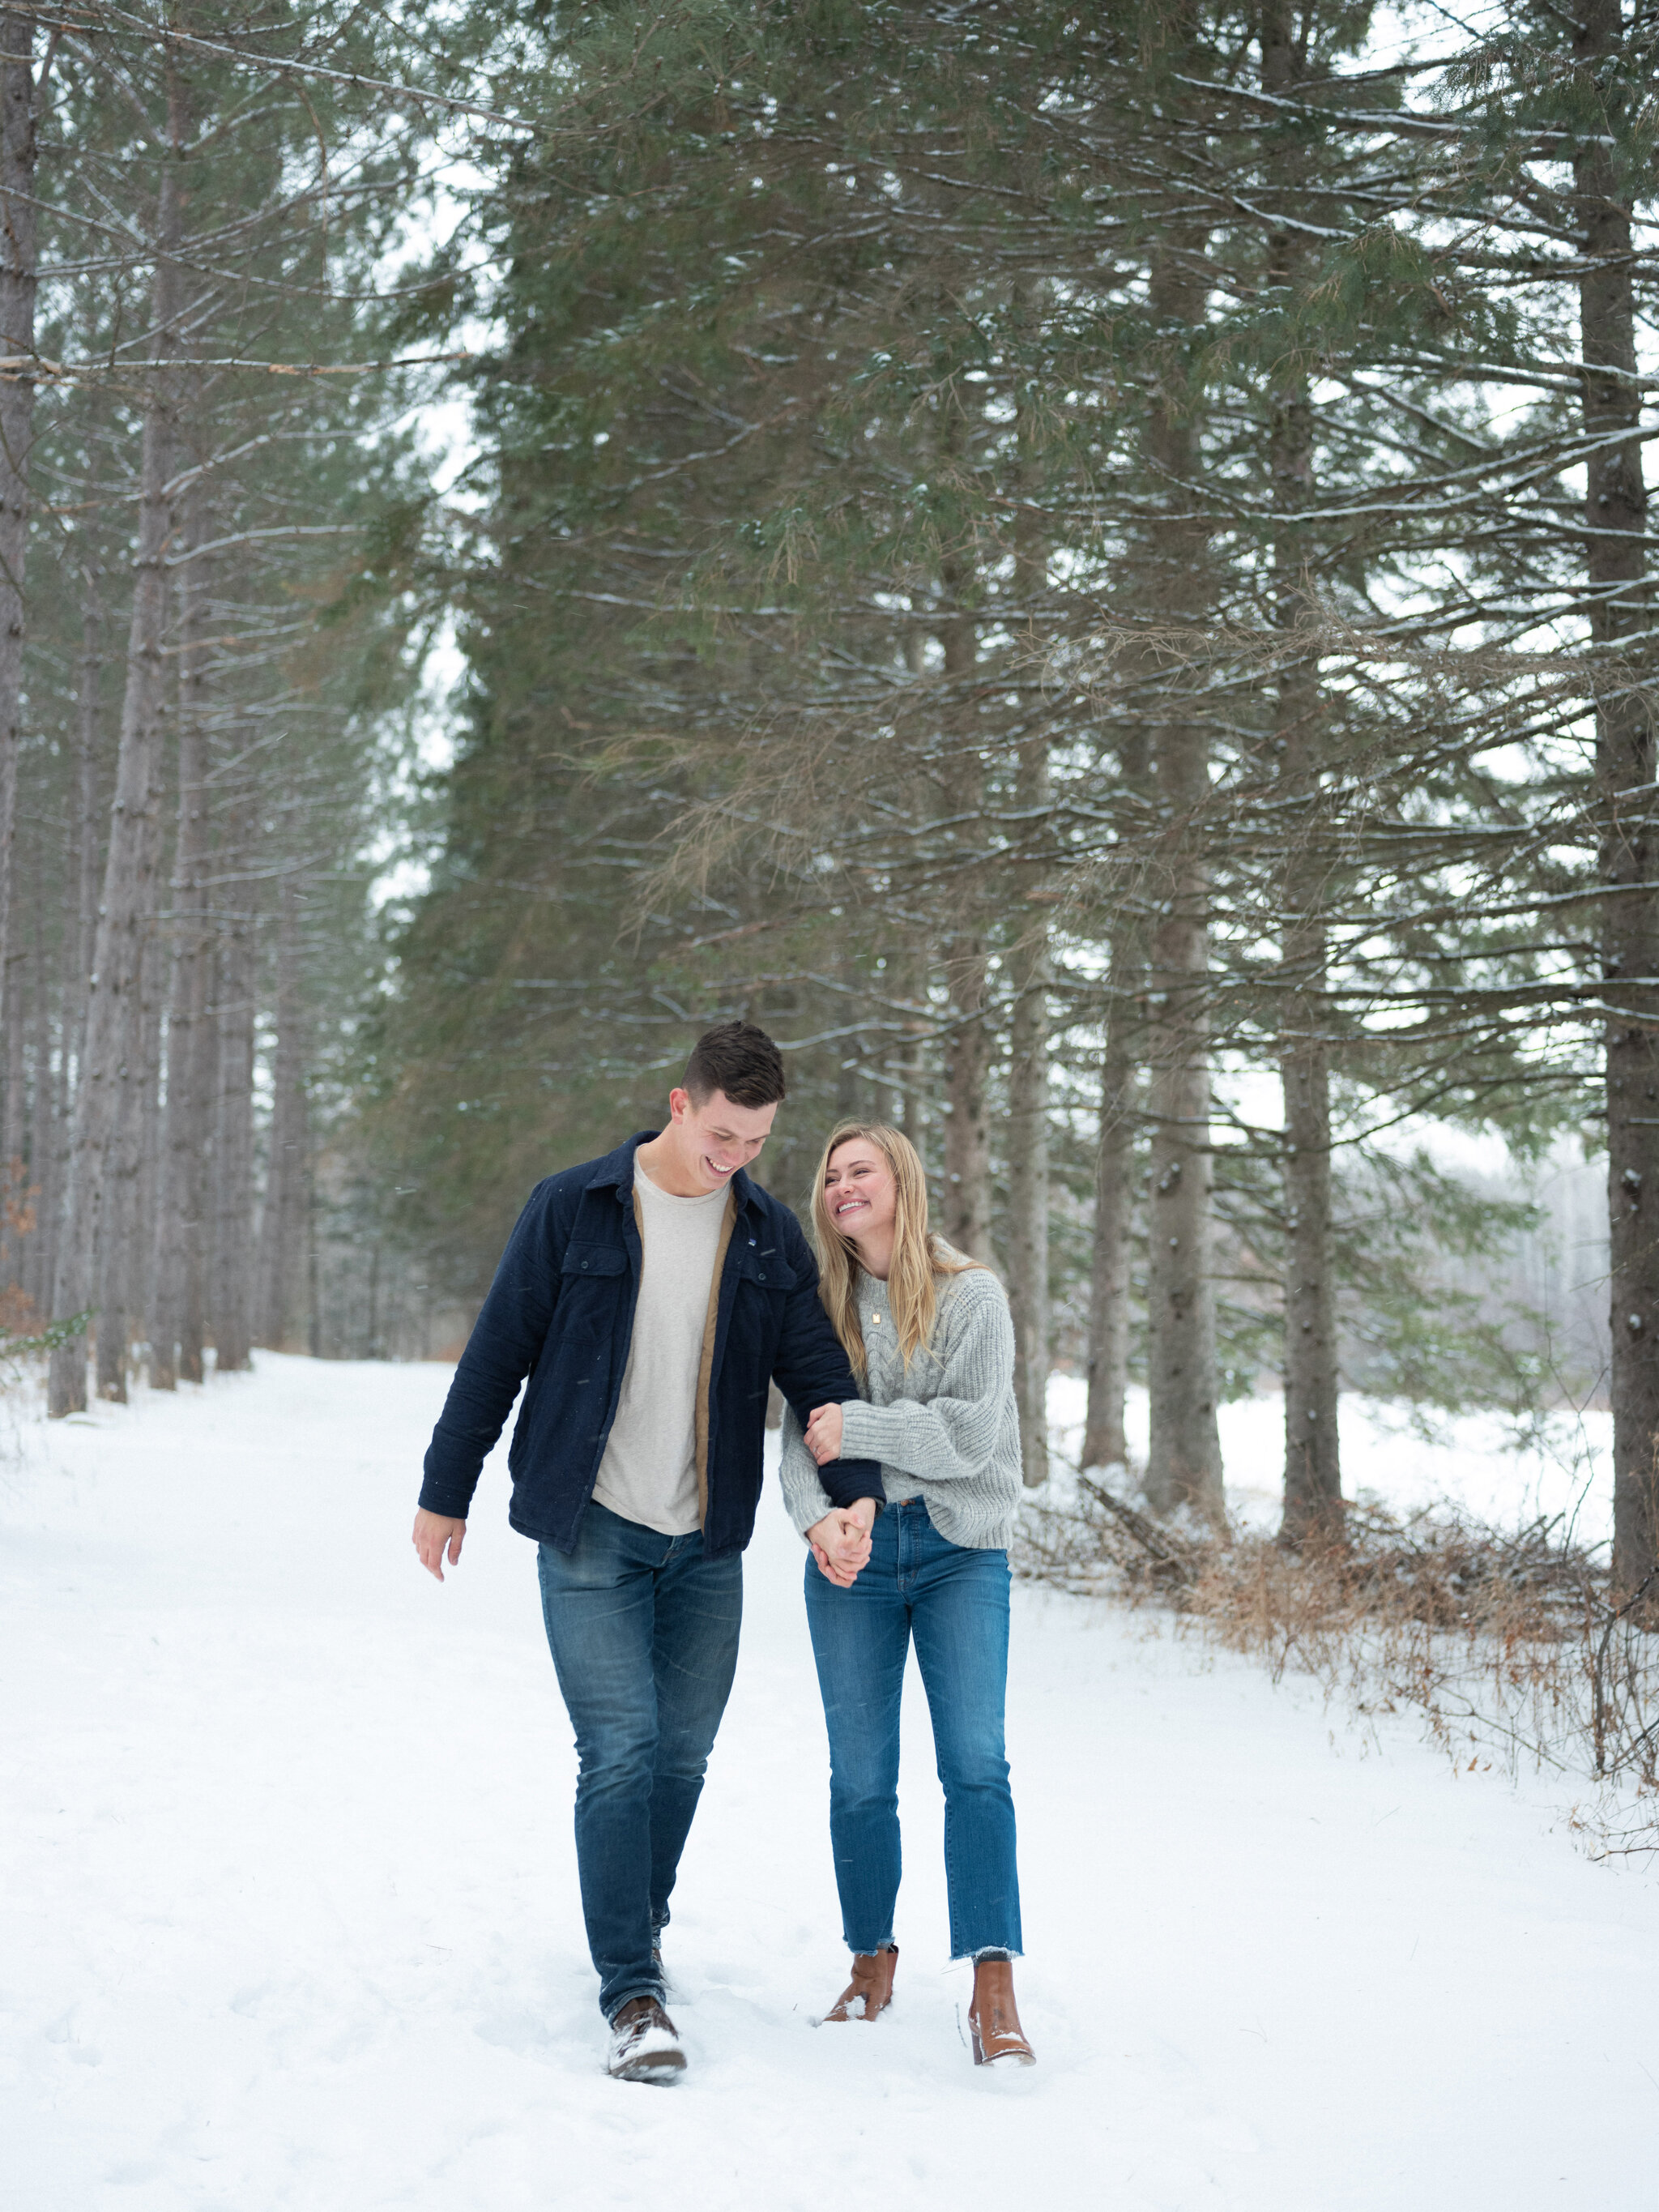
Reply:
x=840, y=1541
x=434, y=1535
x=823, y=1434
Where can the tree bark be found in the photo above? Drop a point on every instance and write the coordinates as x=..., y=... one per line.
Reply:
x=966, y=967
x=1184, y=1463
x=88, y=842
x=141, y=1278
x=134, y=853
x=1313, y=1472
x=179, y=1326
x=76, y=943
x=17, y=295
x=282, y=1222
x=967, y=1134
x=127, y=1216
x=1028, y=1159
x=116, y=1225
x=230, y=1317
x=37, y=1276
x=1104, y=1442
x=1030, y=975
x=14, y=1151
x=1626, y=759
x=1111, y=1257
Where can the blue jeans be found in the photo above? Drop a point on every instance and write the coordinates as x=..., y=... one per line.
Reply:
x=955, y=1603
x=644, y=1635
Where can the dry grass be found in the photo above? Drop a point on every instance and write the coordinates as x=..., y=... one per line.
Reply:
x=1505, y=1641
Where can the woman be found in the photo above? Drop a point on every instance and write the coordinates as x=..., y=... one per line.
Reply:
x=931, y=1340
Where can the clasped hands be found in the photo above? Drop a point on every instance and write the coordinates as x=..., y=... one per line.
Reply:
x=840, y=1541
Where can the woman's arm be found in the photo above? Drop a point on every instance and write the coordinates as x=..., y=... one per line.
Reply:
x=840, y=1537
x=811, y=1367
x=804, y=1498
x=954, y=1436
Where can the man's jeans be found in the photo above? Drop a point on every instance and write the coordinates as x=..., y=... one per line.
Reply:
x=955, y=1603
x=644, y=1635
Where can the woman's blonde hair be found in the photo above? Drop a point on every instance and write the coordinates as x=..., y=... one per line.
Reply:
x=918, y=1254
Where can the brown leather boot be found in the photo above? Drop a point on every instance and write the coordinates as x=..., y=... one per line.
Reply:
x=992, y=2017
x=645, y=2044
x=871, y=1990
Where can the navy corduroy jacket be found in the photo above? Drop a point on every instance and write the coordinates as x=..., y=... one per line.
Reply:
x=560, y=1310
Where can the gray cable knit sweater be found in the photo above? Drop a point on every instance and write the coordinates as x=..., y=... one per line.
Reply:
x=947, y=1431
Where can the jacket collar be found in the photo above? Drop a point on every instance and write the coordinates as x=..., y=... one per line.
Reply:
x=616, y=1169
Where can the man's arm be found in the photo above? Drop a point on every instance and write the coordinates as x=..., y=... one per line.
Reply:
x=840, y=1538
x=505, y=1345
x=811, y=1369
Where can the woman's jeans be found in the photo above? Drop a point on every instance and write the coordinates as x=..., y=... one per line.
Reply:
x=644, y=1634
x=955, y=1603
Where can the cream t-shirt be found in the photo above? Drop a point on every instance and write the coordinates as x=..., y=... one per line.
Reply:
x=649, y=1471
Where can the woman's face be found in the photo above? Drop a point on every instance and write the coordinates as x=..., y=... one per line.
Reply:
x=859, y=1193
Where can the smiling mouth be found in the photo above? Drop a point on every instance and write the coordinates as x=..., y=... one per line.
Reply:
x=715, y=1168
x=850, y=1205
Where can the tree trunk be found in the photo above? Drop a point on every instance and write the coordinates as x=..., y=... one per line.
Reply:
x=141, y=1280
x=314, y=1273
x=1313, y=1473
x=1028, y=1160
x=13, y=1148
x=966, y=976
x=177, y=1325
x=88, y=810
x=200, y=1060
x=231, y=1314
x=907, y=992
x=1626, y=759
x=1104, y=1442
x=1028, y=960
x=1184, y=1463
x=967, y=1134
x=37, y=1277
x=17, y=290
x=81, y=930
x=127, y=1213
x=116, y=1223
x=135, y=826
x=283, y=1221
x=1111, y=1258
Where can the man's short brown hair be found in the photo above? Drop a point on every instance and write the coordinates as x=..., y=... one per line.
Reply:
x=741, y=1060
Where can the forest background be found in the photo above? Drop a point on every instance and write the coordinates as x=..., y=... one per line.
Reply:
x=1087, y=568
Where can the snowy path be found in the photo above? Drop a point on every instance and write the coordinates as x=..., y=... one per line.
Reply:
x=288, y=1901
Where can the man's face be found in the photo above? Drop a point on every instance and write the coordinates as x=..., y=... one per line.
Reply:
x=713, y=1141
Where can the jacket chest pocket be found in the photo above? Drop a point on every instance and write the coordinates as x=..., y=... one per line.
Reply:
x=764, y=1265
x=587, y=1263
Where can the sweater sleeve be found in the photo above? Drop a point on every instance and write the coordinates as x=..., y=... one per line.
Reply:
x=811, y=1369
x=954, y=1436
x=805, y=1498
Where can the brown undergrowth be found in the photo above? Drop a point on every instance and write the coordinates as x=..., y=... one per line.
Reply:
x=1506, y=1642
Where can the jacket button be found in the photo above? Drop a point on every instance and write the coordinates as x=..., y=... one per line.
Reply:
x=762, y=1274
x=584, y=1263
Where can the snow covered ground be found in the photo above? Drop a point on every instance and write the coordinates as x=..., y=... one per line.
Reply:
x=287, y=1906
x=1474, y=1460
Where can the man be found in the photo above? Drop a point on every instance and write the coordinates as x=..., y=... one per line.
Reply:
x=651, y=1296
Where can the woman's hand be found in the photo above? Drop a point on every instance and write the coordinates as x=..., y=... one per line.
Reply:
x=840, y=1541
x=823, y=1434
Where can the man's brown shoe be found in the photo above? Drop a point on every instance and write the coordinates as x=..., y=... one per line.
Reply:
x=871, y=1990
x=645, y=2044
x=993, y=2019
